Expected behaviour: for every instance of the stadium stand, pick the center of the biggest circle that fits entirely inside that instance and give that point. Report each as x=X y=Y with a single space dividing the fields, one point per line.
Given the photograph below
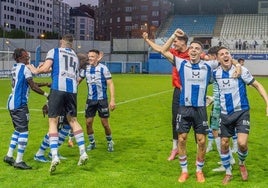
x=245 y=26
x=193 y=25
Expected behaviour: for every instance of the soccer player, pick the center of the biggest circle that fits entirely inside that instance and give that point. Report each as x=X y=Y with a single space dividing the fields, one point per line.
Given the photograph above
x=22 y=81
x=195 y=76
x=179 y=49
x=215 y=114
x=241 y=61
x=64 y=130
x=234 y=110
x=98 y=78
x=64 y=66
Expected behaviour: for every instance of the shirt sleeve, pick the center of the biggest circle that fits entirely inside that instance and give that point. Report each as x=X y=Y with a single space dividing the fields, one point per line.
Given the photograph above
x=246 y=75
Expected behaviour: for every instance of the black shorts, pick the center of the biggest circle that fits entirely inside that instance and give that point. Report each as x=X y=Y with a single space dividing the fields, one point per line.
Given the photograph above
x=60 y=101
x=92 y=106
x=192 y=116
x=20 y=118
x=239 y=121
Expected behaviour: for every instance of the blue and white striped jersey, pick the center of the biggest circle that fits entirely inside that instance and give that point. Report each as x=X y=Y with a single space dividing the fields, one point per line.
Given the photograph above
x=233 y=92
x=64 y=69
x=20 y=87
x=96 y=77
x=194 y=79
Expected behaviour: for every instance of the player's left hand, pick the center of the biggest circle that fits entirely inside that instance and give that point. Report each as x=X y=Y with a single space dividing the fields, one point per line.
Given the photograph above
x=45 y=110
x=112 y=106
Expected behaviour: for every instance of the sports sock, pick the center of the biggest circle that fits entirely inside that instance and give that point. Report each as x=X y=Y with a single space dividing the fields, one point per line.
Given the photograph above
x=53 y=143
x=242 y=156
x=199 y=165
x=13 y=143
x=44 y=145
x=91 y=138
x=80 y=140
x=210 y=138
x=175 y=144
x=109 y=138
x=218 y=144
x=225 y=158
x=183 y=163
x=63 y=133
x=22 y=143
x=235 y=146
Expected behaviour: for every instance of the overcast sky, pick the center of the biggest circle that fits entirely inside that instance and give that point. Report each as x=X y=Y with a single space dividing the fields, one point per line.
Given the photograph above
x=76 y=3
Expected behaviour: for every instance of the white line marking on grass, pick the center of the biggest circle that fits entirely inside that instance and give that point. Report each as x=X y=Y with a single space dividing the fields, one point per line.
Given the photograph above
x=144 y=97
x=119 y=103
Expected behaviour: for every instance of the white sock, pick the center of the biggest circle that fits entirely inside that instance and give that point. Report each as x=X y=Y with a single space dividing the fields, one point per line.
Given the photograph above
x=218 y=144
x=175 y=144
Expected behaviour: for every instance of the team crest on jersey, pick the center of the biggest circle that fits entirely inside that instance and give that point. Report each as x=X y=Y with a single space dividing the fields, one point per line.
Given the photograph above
x=195 y=74
x=226 y=83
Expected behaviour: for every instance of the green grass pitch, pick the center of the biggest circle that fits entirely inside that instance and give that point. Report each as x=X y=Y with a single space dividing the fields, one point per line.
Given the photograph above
x=141 y=126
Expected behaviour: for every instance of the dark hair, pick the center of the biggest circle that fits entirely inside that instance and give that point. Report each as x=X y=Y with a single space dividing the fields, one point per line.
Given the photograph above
x=197 y=42
x=213 y=50
x=184 y=38
x=220 y=48
x=95 y=51
x=18 y=53
x=68 y=38
x=241 y=59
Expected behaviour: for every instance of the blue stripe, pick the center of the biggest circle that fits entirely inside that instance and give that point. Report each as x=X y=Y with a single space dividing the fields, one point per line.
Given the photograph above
x=195 y=94
x=229 y=103
x=12 y=146
x=182 y=77
x=80 y=143
x=103 y=84
x=243 y=94
x=20 y=150
x=69 y=85
x=24 y=135
x=209 y=80
x=55 y=69
x=93 y=87
x=20 y=90
x=53 y=146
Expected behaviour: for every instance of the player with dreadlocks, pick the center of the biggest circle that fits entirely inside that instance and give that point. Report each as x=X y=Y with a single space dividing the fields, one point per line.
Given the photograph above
x=22 y=81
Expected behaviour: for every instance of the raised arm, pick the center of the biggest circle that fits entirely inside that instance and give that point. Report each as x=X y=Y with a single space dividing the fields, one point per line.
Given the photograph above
x=153 y=45
x=165 y=49
x=262 y=92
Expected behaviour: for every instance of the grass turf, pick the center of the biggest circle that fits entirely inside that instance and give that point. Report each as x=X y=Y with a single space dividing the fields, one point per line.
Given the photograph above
x=141 y=126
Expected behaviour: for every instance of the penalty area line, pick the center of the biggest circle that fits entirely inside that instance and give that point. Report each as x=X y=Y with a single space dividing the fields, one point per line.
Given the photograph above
x=119 y=103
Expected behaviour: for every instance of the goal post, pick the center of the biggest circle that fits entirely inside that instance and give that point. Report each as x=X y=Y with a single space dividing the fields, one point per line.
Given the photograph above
x=6 y=63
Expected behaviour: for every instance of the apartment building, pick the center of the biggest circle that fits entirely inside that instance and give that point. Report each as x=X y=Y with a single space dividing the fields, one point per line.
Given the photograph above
x=82 y=23
x=128 y=18
x=34 y=16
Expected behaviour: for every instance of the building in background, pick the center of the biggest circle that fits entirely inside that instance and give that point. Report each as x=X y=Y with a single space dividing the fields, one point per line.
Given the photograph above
x=82 y=24
x=61 y=17
x=128 y=18
x=34 y=16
